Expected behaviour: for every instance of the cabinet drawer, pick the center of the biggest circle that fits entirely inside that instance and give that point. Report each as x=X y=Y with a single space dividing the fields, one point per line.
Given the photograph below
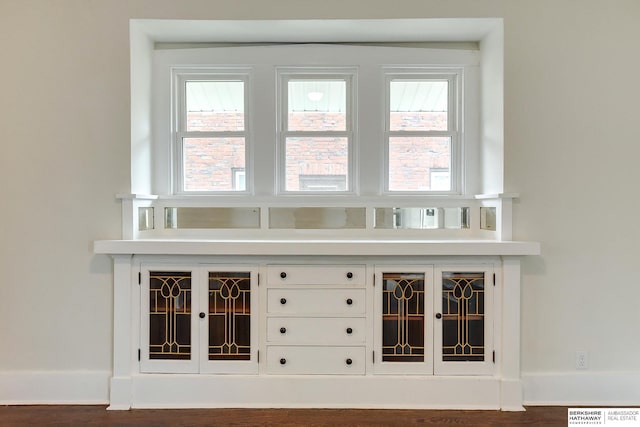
x=311 y=360
x=316 y=301
x=353 y=275
x=316 y=330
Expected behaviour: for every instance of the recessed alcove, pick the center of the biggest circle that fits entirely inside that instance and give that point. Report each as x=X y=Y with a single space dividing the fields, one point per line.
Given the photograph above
x=312 y=266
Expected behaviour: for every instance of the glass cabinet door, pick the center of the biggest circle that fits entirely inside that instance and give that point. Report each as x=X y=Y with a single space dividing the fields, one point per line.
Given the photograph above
x=403 y=328
x=198 y=319
x=167 y=320
x=464 y=325
x=228 y=320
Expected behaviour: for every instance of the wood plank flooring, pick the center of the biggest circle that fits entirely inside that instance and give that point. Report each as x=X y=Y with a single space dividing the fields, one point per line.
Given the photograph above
x=11 y=416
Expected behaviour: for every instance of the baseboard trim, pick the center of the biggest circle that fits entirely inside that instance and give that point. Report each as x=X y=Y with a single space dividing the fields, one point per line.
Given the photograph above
x=582 y=389
x=553 y=389
x=54 y=387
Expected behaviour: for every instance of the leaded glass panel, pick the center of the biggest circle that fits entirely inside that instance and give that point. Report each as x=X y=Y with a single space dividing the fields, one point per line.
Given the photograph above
x=403 y=317
x=229 y=316
x=170 y=315
x=463 y=317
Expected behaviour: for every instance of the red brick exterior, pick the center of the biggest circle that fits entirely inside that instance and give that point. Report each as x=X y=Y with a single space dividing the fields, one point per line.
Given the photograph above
x=210 y=162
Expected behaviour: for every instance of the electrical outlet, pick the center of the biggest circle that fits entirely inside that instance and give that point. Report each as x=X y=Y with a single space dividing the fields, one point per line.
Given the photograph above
x=582 y=361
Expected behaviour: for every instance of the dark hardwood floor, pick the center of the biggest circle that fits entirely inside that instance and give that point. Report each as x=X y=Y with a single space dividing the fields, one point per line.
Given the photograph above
x=99 y=416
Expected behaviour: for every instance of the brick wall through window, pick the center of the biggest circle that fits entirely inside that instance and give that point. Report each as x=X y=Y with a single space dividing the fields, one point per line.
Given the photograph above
x=209 y=163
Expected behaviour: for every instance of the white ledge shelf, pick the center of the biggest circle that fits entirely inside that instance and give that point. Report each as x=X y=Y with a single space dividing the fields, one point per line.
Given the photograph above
x=318 y=247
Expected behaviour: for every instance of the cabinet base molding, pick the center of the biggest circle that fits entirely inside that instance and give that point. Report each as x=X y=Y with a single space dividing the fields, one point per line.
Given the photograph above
x=419 y=332
x=330 y=391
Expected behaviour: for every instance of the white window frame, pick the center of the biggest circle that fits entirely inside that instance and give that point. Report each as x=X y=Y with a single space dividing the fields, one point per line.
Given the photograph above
x=180 y=76
x=286 y=74
x=264 y=153
x=455 y=125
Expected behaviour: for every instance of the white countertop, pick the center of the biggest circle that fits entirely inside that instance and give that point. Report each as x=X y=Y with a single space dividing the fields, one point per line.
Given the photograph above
x=365 y=247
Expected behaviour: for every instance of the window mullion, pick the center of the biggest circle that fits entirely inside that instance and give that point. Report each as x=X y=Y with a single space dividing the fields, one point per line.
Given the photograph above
x=201 y=134
x=429 y=133
x=318 y=134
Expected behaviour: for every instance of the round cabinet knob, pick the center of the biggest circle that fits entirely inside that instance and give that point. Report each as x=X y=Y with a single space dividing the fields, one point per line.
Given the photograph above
x=283 y=300
x=349 y=330
x=349 y=361
x=283 y=361
x=349 y=275
x=202 y=315
x=283 y=330
x=283 y=275
x=438 y=315
x=349 y=301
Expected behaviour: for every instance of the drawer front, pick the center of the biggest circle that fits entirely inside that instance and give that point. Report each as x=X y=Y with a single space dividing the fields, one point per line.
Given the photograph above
x=284 y=360
x=316 y=330
x=342 y=275
x=316 y=301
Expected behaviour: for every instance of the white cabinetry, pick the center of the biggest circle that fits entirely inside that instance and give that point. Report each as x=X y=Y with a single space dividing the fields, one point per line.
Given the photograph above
x=316 y=319
x=434 y=319
x=354 y=325
x=198 y=318
x=464 y=320
x=403 y=324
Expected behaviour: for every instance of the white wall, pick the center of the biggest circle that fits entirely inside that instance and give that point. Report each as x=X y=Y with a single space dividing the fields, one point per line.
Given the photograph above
x=572 y=144
x=571 y=138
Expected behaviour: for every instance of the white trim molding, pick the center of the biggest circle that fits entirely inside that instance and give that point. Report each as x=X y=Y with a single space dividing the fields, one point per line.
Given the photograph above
x=54 y=387
x=583 y=389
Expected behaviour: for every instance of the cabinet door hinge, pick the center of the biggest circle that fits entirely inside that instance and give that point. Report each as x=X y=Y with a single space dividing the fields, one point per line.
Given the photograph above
x=494 y=356
x=138 y=355
x=139 y=278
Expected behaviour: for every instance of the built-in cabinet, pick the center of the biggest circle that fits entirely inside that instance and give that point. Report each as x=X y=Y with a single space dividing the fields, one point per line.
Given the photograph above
x=434 y=319
x=328 y=306
x=317 y=319
x=316 y=324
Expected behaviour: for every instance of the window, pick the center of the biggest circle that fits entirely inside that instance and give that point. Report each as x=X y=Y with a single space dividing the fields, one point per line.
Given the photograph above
x=316 y=131
x=211 y=140
x=368 y=122
x=239 y=179
x=323 y=182
x=421 y=132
